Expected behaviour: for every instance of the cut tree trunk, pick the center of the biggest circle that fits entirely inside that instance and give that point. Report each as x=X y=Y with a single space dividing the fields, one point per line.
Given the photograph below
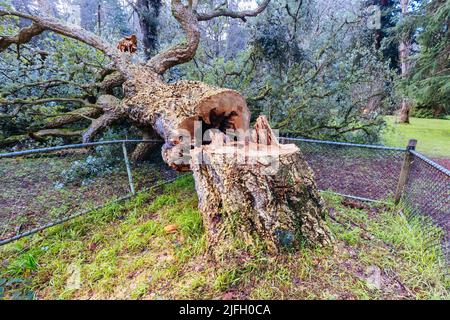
x=253 y=189
x=258 y=192
x=404 y=51
x=172 y=110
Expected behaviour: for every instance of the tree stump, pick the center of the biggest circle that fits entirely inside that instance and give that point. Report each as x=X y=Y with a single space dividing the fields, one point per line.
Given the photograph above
x=257 y=191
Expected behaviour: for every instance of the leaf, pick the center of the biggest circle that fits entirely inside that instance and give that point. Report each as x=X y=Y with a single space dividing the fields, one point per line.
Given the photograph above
x=171 y=228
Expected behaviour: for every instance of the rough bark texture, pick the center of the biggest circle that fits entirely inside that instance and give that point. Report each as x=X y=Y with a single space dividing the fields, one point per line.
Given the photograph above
x=404 y=50
x=257 y=193
x=171 y=110
x=111 y=113
x=248 y=190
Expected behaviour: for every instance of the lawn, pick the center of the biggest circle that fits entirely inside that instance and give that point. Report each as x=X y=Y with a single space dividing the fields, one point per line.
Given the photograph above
x=124 y=252
x=433 y=135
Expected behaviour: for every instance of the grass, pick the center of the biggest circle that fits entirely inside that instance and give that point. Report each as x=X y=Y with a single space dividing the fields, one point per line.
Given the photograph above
x=433 y=135
x=29 y=185
x=123 y=252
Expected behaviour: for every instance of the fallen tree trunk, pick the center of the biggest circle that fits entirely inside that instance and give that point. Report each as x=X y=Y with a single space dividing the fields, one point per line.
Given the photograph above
x=257 y=191
x=172 y=111
x=250 y=187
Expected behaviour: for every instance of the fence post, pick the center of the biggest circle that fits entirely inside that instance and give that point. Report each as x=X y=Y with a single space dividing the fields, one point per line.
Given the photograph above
x=127 y=164
x=406 y=167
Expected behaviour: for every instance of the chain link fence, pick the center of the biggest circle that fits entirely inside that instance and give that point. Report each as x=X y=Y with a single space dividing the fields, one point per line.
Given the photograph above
x=427 y=192
x=368 y=172
x=360 y=171
x=43 y=187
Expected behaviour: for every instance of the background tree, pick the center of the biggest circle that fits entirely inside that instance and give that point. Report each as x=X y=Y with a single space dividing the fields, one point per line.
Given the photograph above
x=427 y=83
x=404 y=52
x=318 y=78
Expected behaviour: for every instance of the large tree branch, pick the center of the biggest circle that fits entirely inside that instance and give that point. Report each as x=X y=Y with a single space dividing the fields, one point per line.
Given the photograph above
x=188 y=19
x=60 y=120
x=112 y=113
x=24 y=36
x=41 y=134
x=233 y=14
x=109 y=81
x=68 y=30
x=45 y=100
x=183 y=52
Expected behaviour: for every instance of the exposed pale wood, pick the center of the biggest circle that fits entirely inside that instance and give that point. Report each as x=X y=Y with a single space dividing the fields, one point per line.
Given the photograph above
x=257 y=193
x=171 y=109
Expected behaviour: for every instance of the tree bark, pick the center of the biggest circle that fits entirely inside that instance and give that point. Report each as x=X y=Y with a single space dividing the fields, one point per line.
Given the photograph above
x=172 y=110
x=404 y=50
x=405 y=111
x=259 y=193
x=148 y=12
x=252 y=189
x=144 y=150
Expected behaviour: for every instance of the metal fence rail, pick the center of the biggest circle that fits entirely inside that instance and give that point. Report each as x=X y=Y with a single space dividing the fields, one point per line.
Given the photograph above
x=362 y=171
x=40 y=188
x=427 y=192
x=43 y=187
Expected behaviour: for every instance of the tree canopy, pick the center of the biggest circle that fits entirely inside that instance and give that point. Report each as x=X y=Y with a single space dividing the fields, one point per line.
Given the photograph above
x=317 y=69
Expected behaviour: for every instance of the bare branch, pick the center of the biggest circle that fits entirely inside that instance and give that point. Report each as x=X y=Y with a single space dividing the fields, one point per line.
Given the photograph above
x=12 y=140
x=233 y=14
x=46 y=100
x=188 y=20
x=183 y=52
x=112 y=113
x=60 y=120
x=24 y=36
x=114 y=79
x=71 y=31
x=39 y=135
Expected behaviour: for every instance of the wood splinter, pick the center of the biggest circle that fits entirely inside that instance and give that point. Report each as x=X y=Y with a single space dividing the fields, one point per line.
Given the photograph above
x=266 y=195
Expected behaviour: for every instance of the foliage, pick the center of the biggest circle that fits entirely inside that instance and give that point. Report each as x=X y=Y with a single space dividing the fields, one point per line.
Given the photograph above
x=424 y=113
x=316 y=78
x=52 y=67
x=428 y=82
x=103 y=160
x=313 y=77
